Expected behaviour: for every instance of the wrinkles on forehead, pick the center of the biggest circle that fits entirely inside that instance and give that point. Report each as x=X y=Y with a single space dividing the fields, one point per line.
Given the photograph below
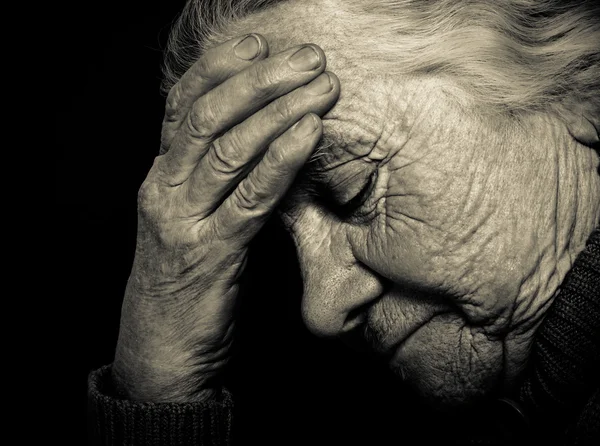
x=324 y=23
x=335 y=149
x=354 y=125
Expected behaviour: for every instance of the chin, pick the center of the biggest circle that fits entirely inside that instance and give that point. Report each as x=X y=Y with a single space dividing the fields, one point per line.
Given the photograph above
x=443 y=393
x=448 y=365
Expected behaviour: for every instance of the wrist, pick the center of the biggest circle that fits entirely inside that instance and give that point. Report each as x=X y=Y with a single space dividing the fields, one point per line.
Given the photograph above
x=166 y=351
x=158 y=381
x=152 y=368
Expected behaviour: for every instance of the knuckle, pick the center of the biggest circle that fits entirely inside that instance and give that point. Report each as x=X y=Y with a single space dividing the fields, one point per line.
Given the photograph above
x=264 y=84
x=200 y=122
x=160 y=172
x=166 y=138
x=284 y=157
x=172 y=103
x=282 y=109
x=224 y=158
x=148 y=197
x=203 y=68
x=233 y=142
x=277 y=157
x=157 y=170
x=250 y=198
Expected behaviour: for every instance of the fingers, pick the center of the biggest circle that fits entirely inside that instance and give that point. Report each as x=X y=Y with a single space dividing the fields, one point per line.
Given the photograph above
x=237 y=98
x=244 y=212
x=214 y=67
x=237 y=151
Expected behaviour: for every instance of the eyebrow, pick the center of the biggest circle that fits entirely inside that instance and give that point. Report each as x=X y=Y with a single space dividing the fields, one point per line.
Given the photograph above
x=325 y=142
x=315 y=176
x=314 y=170
x=316 y=166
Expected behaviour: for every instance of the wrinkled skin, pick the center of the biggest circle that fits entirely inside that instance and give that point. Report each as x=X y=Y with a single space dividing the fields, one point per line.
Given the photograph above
x=458 y=240
x=446 y=263
x=238 y=127
x=452 y=259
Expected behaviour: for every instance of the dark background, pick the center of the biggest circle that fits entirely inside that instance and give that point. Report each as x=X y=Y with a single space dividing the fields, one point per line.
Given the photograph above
x=107 y=126
x=108 y=130
x=286 y=383
x=289 y=387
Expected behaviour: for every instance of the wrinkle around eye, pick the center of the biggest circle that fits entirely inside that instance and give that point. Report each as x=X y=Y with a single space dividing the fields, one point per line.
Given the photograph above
x=351 y=183
x=329 y=182
x=332 y=180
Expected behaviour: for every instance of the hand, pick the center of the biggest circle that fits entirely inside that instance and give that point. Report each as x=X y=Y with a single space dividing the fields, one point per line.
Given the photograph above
x=236 y=131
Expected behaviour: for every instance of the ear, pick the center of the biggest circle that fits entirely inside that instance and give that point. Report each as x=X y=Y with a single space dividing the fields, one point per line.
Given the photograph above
x=583 y=130
x=583 y=124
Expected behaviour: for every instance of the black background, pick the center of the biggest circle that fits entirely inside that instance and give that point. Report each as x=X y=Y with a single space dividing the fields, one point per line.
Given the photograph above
x=108 y=130
x=107 y=124
x=289 y=386
x=286 y=382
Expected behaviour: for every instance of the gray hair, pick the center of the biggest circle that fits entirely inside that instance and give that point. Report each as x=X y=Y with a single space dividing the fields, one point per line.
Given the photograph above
x=511 y=56
x=195 y=29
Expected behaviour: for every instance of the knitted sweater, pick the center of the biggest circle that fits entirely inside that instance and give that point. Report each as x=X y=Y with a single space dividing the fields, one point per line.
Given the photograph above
x=557 y=403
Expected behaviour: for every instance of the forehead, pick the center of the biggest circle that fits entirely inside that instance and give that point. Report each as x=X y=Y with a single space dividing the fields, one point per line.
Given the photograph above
x=356 y=122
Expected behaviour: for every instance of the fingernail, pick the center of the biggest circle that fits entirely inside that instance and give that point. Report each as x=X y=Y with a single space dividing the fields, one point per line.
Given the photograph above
x=320 y=85
x=306 y=126
x=248 y=48
x=305 y=59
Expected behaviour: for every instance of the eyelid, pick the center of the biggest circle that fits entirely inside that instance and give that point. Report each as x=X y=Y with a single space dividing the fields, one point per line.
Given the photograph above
x=316 y=186
x=354 y=203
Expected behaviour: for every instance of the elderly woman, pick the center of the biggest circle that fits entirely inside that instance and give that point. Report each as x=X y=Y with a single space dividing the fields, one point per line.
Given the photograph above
x=434 y=163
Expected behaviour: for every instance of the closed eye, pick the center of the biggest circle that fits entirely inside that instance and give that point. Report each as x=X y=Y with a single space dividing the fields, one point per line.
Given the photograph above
x=347 y=209
x=341 y=193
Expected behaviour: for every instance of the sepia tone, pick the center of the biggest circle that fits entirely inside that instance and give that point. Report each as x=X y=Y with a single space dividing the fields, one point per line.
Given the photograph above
x=340 y=222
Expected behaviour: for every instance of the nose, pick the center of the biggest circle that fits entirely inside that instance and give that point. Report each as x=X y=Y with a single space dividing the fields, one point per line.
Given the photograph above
x=336 y=297
x=337 y=288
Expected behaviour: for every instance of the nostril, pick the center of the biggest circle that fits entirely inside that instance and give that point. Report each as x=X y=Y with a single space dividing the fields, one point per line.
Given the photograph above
x=325 y=323
x=355 y=317
x=359 y=315
x=340 y=302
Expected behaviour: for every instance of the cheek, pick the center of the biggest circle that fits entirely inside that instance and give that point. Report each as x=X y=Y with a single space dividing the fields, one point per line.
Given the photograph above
x=383 y=249
x=448 y=361
x=392 y=239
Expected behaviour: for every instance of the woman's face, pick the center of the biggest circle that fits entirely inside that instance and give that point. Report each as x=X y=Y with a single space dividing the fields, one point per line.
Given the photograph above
x=435 y=234
x=439 y=234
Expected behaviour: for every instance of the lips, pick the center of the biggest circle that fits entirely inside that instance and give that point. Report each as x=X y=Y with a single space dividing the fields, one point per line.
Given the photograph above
x=387 y=344
x=397 y=316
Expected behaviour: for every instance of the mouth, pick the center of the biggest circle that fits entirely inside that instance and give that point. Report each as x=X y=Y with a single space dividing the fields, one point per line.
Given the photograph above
x=366 y=336
x=382 y=327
